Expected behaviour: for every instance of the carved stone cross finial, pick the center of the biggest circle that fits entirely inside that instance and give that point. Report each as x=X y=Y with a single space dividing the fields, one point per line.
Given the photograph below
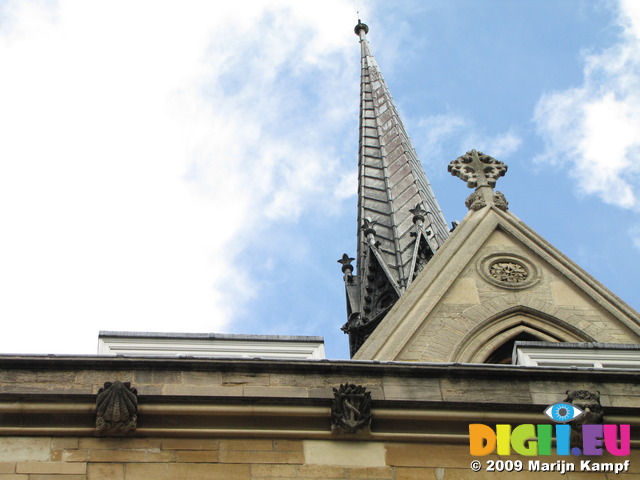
x=477 y=169
x=480 y=170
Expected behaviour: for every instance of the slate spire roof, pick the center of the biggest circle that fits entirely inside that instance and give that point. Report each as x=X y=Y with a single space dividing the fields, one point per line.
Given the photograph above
x=400 y=224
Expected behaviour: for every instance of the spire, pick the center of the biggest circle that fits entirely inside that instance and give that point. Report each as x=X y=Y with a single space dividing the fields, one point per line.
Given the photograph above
x=400 y=224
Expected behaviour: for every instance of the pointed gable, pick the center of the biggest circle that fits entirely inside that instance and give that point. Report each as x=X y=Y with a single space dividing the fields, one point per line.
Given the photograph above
x=495 y=281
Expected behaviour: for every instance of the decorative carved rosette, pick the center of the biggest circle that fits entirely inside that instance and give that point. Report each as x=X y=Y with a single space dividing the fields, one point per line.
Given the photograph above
x=117 y=409
x=508 y=271
x=350 y=409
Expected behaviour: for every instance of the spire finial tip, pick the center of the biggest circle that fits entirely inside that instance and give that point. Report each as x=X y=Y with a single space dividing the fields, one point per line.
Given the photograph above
x=361 y=26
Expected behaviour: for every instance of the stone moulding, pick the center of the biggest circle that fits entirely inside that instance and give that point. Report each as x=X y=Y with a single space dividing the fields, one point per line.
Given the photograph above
x=350 y=409
x=117 y=409
x=414 y=402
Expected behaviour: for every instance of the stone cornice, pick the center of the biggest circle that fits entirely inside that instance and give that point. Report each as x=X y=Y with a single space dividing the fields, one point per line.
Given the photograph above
x=342 y=367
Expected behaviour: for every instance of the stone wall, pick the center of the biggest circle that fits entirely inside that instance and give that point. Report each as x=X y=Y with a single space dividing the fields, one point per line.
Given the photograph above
x=67 y=458
x=250 y=419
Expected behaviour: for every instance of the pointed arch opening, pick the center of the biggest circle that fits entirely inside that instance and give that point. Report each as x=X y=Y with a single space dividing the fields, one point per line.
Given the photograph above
x=504 y=353
x=492 y=340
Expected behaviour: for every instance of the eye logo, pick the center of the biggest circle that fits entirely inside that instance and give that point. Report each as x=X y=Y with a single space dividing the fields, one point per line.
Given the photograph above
x=563 y=412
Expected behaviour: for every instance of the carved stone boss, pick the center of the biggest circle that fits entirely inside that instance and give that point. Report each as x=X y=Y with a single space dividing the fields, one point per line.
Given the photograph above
x=350 y=409
x=481 y=172
x=117 y=409
x=589 y=402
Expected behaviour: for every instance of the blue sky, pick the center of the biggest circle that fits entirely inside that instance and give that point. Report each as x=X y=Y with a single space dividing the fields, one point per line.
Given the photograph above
x=193 y=167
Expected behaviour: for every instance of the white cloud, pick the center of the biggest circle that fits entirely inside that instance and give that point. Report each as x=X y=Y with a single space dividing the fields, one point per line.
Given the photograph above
x=594 y=130
x=144 y=146
x=499 y=146
x=442 y=129
x=438 y=128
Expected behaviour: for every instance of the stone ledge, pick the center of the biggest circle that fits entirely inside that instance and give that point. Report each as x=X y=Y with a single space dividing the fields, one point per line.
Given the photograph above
x=405 y=421
x=80 y=364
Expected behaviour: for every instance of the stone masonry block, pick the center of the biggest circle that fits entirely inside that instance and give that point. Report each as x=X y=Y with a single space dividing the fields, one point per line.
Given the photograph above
x=94 y=379
x=229 y=390
x=31 y=376
x=348 y=454
x=142 y=377
x=460 y=390
x=52 y=467
x=248 y=457
x=103 y=471
x=194 y=456
x=119 y=443
x=429 y=390
x=273 y=471
x=63 y=443
x=123 y=456
x=167 y=377
x=373 y=473
x=432 y=455
x=56 y=477
x=201 y=378
x=320 y=471
x=464 y=474
x=416 y=474
x=266 y=391
x=74 y=455
x=146 y=471
x=24 y=449
x=287 y=445
x=199 y=471
x=246 y=445
x=189 y=444
x=255 y=379
x=321 y=380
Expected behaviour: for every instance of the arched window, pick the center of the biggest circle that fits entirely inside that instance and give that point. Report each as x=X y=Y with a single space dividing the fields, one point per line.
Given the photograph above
x=492 y=340
x=503 y=354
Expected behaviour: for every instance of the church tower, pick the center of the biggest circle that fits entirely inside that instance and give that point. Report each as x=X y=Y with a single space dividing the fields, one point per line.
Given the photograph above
x=424 y=294
x=400 y=224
